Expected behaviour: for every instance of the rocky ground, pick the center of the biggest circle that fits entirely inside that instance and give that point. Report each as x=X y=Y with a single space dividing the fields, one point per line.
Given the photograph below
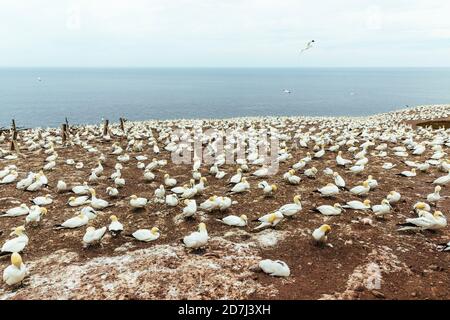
x=362 y=252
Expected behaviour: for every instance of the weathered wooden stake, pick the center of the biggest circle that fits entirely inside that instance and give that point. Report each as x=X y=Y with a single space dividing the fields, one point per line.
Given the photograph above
x=14 y=136
x=122 y=124
x=105 y=127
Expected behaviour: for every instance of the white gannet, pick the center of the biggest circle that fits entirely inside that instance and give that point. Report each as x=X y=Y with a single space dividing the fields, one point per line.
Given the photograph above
x=16 y=211
x=426 y=221
x=75 y=222
x=443 y=180
x=320 y=234
x=16 y=272
x=112 y=192
x=393 y=197
x=97 y=203
x=408 y=174
x=35 y=214
x=328 y=210
x=209 y=204
x=310 y=173
x=358 y=205
x=168 y=181
x=341 y=161
x=268 y=189
x=421 y=206
x=435 y=196
x=138 y=202
x=235 y=221
x=361 y=190
x=270 y=220
x=81 y=190
x=61 y=186
x=380 y=210
x=89 y=212
x=190 y=208
x=93 y=236
x=388 y=166
x=197 y=239
x=115 y=227
x=237 y=177
x=291 y=208
x=275 y=268
x=146 y=235
x=16 y=244
x=171 y=200
x=329 y=190
x=78 y=201
x=338 y=180
x=43 y=201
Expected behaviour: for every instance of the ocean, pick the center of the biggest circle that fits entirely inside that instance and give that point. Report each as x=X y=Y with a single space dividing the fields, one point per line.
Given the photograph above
x=45 y=96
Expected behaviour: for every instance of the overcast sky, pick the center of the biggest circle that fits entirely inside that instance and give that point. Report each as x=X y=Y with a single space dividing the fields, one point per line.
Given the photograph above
x=226 y=33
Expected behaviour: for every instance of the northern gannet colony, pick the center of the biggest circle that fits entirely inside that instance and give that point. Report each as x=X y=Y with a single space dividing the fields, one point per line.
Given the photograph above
x=347 y=208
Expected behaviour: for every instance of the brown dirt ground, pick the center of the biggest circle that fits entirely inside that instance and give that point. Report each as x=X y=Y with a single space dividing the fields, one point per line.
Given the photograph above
x=411 y=266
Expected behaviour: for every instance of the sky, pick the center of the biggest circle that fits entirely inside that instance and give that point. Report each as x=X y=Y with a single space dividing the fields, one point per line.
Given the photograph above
x=227 y=33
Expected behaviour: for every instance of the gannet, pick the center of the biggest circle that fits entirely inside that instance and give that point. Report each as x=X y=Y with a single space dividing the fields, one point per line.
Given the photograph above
x=329 y=190
x=198 y=238
x=341 y=161
x=89 y=212
x=276 y=268
x=444 y=247
x=406 y=173
x=97 y=203
x=16 y=244
x=357 y=169
x=16 y=211
x=328 y=171
x=235 y=221
x=381 y=209
x=148 y=175
x=119 y=182
x=25 y=183
x=270 y=220
x=35 y=214
x=171 y=200
x=421 y=206
x=93 y=236
x=268 y=189
x=43 y=201
x=426 y=221
x=299 y=165
x=357 y=205
x=160 y=192
x=201 y=185
x=137 y=203
x=442 y=180
x=291 y=208
x=388 y=166
x=115 y=227
x=78 y=201
x=209 y=204
x=190 y=208
x=223 y=203
x=61 y=186
x=320 y=234
x=146 y=235
x=338 y=180
x=168 y=181
x=328 y=210
x=435 y=196
x=262 y=172
x=112 y=192
x=75 y=222
x=81 y=190
x=16 y=272
x=237 y=177
x=393 y=197
x=11 y=177
x=361 y=190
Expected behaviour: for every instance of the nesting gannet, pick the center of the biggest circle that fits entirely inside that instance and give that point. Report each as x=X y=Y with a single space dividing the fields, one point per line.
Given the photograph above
x=61 y=186
x=310 y=173
x=81 y=190
x=421 y=206
x=388 y=166
x=275 y=268
x=115 y=227
x=291 y=208
x=112 y=192
x=299 y=165
x=338 y=180
x=373 y=184
x=43 y=201
x=16 y=272
x=171 y=200
x=209 y=204
x=393 y=197
x=320 y=234
x=75 y=222
x=235 y=221
x=237 y=177
x=89 y=212
x=329 y=190
x=426 y=221
x=11 y=177
x=380 y=210
x=443 y=180
x=328 y=171
x=190 y=208
x=341 y=161
x=270 y=220
x=78 y=201
x=444 y=247
x=26 y=182
x=35 y=214
x=361 y=190
x=16 y=244
x=407 y=173
x=268 y=189
x=435 y=196
x=97 y=203
x=160 y=192
x=328 y=210
x=168 y=181
x=149 y=176
x=146 y=235
x=262 y=172
x=357 y=205
x=357 y=169
x=197 y=239
x=138 y=202
x=16 y=211
x=93 y=236
x=223 y=203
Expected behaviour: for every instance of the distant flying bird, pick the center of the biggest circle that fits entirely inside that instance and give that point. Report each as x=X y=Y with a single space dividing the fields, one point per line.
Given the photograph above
x=286 y=91
x=39 y=79
x=308 y=46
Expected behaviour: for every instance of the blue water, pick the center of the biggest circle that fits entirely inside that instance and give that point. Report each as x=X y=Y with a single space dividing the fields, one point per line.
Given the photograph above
x=87 y=95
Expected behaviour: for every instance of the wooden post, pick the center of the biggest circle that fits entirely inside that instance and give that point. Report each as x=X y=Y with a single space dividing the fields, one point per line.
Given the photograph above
x=14 y=136
x=122 y=124
x=105 y=127
x=64 y=131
